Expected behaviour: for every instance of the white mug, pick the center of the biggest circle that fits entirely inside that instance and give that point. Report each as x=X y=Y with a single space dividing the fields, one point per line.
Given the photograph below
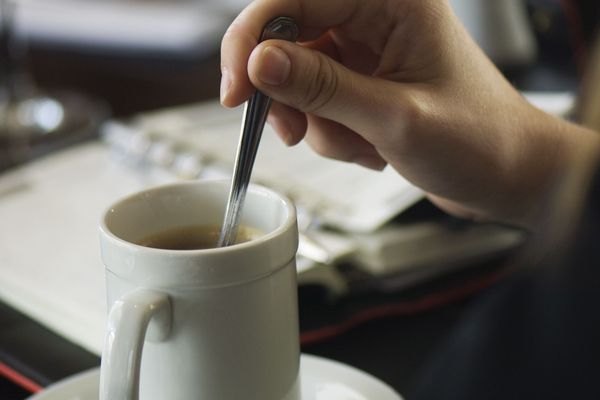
x=214 y=324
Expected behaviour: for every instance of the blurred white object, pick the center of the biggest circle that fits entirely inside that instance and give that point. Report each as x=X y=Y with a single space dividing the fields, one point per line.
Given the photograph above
x=561 y=104
x=139 y=25
x=501 y=28
x=233 y=6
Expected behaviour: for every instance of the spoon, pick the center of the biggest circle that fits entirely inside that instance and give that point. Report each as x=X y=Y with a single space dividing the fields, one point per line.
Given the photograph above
x=255 y=116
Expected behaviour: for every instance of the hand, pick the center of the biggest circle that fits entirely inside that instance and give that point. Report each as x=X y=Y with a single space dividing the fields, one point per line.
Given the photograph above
x=401 y=82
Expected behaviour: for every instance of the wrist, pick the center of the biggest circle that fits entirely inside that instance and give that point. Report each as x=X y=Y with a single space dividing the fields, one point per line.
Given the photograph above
x=556 y=156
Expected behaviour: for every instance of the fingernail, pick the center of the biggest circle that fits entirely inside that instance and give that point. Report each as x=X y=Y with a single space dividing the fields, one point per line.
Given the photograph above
x=275 y=66
x=225 y=84
x=371 y=162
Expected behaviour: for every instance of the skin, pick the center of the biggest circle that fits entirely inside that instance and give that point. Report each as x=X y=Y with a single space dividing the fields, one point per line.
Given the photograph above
x=401 y=82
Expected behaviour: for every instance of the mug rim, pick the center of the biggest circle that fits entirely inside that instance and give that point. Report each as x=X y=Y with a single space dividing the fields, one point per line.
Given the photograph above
x=289 y=222
x=213 y=267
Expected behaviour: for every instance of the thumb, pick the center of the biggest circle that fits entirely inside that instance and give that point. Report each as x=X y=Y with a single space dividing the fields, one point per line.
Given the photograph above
x=312 y=82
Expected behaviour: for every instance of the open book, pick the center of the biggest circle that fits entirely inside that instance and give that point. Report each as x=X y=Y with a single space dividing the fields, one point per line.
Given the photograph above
x=342 y=195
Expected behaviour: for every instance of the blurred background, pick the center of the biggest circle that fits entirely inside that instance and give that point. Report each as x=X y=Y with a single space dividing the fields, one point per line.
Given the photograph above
x=128 y=56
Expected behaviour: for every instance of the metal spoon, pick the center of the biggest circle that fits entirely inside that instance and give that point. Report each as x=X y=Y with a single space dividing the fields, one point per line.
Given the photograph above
x=255 y=116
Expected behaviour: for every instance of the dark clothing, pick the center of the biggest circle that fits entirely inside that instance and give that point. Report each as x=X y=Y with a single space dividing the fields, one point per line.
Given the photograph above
x=535 y=336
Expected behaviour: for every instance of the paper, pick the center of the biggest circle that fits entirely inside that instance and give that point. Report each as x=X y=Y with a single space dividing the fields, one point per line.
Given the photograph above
x=50 y=265
x=190 y=28
x=342 y=195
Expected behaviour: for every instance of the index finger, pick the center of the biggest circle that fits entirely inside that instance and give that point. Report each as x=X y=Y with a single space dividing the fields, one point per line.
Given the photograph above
x=314 y=17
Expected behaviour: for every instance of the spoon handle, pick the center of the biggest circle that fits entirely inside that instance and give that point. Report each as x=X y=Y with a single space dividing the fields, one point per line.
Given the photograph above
x=255 y=116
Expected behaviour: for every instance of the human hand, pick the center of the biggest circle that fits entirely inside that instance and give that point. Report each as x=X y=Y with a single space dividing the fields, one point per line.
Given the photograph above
x=401 y=82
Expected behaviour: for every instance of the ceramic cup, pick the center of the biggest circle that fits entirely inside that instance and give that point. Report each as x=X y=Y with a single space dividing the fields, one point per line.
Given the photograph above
x=211 y=324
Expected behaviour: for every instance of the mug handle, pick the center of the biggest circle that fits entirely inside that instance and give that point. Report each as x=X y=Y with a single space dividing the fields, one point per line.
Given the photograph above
x=137 y=316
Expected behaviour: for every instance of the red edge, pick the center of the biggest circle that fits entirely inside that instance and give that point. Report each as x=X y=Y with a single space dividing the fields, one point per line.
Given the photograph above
x=400 y=308
x=19 y=379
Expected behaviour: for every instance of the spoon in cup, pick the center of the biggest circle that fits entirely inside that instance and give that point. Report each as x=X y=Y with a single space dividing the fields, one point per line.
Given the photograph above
x=255 y=116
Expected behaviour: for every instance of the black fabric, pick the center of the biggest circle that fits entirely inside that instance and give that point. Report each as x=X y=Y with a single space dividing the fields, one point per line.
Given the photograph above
x=10 y=391
x=535 y=336
x=38 y=353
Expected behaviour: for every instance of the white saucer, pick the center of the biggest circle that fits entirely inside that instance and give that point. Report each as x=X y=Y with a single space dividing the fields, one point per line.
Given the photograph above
x=322 y=379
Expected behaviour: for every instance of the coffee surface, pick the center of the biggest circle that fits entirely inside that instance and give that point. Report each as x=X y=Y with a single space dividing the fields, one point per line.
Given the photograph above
x=194 y=237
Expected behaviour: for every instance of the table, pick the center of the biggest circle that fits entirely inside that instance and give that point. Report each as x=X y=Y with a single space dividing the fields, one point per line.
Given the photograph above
x=394 y=345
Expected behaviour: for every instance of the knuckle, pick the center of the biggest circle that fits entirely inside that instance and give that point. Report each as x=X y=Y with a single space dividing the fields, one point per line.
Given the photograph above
x=230 y=33
x=237 y=35
x=399 y=121
x=321 y=86
x=409 y=112
x=412 y=111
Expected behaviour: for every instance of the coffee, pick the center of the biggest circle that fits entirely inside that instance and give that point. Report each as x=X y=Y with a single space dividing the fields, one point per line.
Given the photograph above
x=194 y=237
